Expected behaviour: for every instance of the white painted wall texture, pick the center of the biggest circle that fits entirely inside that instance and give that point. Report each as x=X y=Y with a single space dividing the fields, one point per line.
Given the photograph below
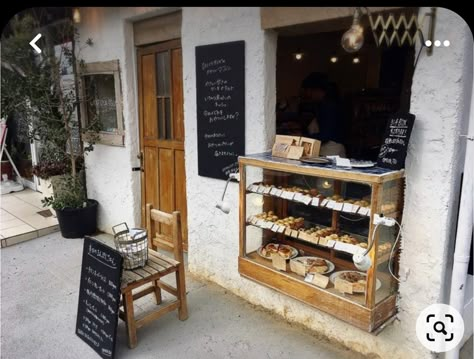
x=433 y=164
x=433 y=167
x=109 y=176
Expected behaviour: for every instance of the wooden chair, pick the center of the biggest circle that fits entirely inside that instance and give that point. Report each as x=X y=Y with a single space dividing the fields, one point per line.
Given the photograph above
x=158 y=265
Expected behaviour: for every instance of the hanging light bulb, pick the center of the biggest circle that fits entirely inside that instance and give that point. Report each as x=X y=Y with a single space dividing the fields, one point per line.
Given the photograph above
x=355 y=60
x=76 y=15
x=333 y=59
x=353 y=39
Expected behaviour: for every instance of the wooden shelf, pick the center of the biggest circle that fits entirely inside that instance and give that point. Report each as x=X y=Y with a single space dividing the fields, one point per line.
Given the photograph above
x=347 y=307
x=368 y=311
x=311 y=205
x=267 y=161
x=318 y=250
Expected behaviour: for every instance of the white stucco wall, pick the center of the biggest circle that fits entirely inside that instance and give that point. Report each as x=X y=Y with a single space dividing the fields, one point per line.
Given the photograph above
x=433 y=166
x=433 y=163
x=109 y=176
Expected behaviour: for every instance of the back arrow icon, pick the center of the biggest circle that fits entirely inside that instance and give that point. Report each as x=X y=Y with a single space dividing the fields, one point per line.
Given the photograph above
x=33 y=43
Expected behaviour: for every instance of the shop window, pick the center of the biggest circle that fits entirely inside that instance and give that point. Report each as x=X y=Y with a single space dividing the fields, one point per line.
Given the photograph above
x=101 y=103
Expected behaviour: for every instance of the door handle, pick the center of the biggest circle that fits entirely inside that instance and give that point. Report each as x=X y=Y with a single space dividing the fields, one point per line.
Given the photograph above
x=140 y=157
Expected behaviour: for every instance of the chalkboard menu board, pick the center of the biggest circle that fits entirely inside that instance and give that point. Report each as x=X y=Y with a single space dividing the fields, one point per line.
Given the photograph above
x=220 y=98
x=99 y=297
x=395 y=144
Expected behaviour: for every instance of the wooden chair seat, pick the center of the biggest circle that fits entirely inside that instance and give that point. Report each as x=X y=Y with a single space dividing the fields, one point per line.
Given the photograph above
x=157 y=266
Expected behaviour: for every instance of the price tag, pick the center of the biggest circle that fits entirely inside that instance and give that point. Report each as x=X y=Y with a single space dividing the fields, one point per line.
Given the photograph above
x=278 y=192
x=346 y=247
x=355 y=208
x=338 y=206
x=347 y=207
x=324 y=202
x=305 y=237
x=363 y=211
x=274 y=191
x=315 y=202
x=331 y=203
x=275 y=228
x=307 y=200
x=268 y=225
x=250 y=188
x=309 y=278
x=260 y=188
x=298 y=267
x=342 y=286
x=260 y=222
x=288 y=231
x=267 y=190
x=323 y=241
x=320 y=280
x=288 y=195
x=279 y=262
x=281 y=229
x=368 y=212
x=294 y=233
x=331 y=243
x=298 y=196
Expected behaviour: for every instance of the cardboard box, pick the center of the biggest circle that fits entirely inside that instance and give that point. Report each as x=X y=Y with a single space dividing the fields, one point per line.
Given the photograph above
x=311 y=147
x=294 y=147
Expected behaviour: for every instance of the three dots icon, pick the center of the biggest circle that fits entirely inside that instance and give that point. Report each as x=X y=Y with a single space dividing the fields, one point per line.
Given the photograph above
x=437 y=43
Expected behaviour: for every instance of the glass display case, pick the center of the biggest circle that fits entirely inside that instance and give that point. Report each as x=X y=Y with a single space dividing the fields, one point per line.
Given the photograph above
x=301 y=224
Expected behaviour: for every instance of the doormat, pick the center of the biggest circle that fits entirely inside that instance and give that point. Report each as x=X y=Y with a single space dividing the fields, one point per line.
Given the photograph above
x=46 y=213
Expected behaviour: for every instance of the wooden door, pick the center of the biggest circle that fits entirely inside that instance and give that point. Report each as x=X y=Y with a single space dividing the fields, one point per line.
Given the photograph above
x=160 y=92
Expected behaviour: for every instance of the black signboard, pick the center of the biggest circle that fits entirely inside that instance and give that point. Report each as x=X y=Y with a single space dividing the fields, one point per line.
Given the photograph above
x=99 y=297
x=395 y=143
x=220 y=99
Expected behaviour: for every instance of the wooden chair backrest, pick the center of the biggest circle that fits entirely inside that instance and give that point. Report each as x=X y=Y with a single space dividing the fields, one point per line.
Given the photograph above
x=155 y=216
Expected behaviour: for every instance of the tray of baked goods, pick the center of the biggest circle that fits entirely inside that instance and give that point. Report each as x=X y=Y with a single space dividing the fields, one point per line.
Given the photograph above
x=312 y=197
x=351 y=282
x=283 y=250
x=316 y=234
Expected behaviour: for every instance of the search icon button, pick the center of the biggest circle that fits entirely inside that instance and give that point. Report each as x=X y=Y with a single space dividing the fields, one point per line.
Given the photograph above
x=443 y=328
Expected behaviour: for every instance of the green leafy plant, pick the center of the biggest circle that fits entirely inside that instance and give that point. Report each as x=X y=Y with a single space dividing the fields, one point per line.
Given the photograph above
x=47 y=169
x=68 y=193
x=40 y=92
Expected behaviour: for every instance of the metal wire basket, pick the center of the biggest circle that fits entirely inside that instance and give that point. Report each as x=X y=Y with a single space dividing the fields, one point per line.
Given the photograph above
x=132 y=245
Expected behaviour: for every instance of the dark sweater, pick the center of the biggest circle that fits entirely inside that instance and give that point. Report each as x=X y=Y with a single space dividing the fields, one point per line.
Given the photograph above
x=330 y=120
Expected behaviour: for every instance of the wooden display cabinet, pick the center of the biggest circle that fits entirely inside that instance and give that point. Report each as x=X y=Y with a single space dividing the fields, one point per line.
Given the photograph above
x=344 y=202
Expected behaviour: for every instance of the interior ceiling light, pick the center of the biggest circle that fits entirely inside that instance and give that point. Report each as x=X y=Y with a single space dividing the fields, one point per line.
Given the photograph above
x=353 y=39
x=355 y=60
x=76 y=15
x=333 y=59
x=389 y=30
x=298 y=55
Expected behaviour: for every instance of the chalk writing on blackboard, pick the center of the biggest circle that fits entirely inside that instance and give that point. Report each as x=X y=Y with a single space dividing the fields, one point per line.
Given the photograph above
x=220 y=108
x=99 y=296
x=395 y=143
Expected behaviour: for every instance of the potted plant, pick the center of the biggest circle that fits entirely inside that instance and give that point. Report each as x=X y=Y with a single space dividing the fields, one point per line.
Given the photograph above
x=48 y=171
x=38 y=91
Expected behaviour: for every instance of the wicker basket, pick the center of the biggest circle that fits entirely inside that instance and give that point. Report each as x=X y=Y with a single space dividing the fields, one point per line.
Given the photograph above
x=132 y=245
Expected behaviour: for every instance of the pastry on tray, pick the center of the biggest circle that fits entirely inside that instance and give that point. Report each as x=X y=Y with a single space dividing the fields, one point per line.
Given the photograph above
x=275 y=248
x=356 y=279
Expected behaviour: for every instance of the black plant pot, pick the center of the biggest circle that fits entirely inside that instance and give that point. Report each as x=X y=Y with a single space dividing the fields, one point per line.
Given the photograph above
x=78 y=222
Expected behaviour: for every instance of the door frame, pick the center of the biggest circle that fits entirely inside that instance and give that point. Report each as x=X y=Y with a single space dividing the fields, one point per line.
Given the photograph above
x=140 y=51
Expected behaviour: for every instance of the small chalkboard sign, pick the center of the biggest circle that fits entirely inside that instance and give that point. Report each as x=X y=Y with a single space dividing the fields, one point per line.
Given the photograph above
x=220 y=100
x=395 y=143
x=99 y=297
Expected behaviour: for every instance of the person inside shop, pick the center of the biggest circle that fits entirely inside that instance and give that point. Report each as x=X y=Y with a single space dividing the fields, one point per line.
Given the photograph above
x=321 y=115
